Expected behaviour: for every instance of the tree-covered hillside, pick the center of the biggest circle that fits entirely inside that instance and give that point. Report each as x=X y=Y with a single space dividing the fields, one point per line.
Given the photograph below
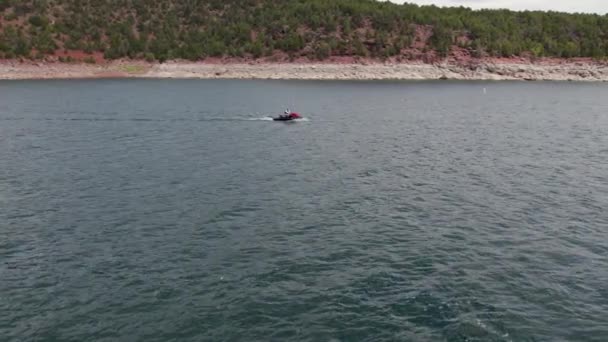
x=195 y=29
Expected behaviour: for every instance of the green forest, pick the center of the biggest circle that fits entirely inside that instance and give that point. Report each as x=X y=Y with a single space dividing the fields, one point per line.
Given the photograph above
x=159 y=30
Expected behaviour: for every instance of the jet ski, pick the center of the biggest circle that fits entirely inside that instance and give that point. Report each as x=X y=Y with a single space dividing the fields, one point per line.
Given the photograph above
x=287 y=117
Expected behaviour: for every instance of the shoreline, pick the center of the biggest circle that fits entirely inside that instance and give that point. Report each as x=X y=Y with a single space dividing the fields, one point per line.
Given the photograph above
x=488 y=70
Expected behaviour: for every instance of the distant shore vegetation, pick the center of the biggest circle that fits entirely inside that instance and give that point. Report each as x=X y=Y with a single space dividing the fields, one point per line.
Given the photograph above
x=159 y=30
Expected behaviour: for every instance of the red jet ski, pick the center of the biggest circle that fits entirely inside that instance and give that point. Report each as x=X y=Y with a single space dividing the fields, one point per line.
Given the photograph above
x=287 y=117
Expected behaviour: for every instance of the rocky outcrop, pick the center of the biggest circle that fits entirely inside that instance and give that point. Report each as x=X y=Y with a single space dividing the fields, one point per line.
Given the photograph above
x=472 y=70
x=401 y=71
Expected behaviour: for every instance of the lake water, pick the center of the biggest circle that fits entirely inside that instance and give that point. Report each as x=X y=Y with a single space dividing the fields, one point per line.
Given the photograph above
x=173 y=210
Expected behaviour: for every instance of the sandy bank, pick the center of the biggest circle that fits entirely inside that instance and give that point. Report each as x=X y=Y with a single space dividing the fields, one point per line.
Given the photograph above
x=562 y=71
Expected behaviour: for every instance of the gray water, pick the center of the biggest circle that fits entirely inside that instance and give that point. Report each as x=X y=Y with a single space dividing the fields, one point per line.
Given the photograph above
x=172 y=210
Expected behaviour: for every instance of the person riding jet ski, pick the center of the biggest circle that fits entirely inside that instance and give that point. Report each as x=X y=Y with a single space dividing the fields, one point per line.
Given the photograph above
x=287 y=116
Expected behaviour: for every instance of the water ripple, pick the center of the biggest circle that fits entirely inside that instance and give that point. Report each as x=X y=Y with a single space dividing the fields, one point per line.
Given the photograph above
x=171 y=210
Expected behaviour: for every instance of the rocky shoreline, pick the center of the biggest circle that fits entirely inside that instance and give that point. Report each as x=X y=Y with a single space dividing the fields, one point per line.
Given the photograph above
x=553 y=70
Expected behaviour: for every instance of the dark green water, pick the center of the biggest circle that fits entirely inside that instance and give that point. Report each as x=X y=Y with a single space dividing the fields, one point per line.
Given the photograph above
x=169 y=210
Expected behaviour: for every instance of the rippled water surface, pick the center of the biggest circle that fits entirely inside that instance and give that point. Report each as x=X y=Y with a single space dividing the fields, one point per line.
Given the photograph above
x=172 y=210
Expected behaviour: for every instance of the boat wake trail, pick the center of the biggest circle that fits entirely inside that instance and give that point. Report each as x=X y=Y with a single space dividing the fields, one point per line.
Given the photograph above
x=236 y=118
x=264 y=118
x=247 y=118
x=139 y=119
